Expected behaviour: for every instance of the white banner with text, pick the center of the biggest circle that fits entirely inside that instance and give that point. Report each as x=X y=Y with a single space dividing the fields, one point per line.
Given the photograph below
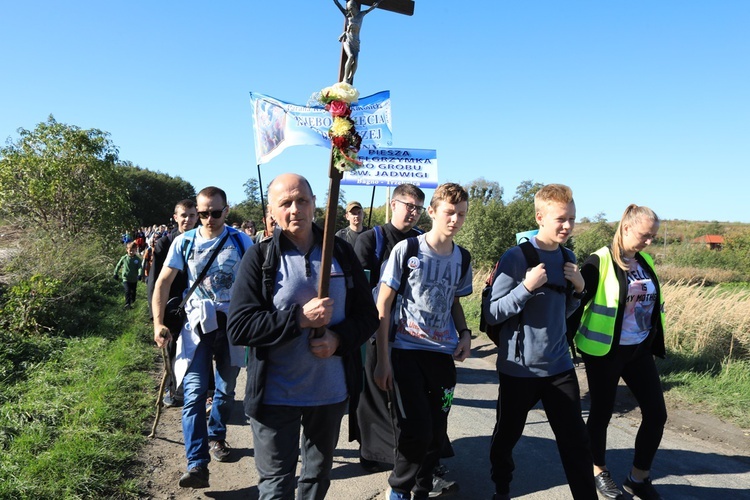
x=393 y=166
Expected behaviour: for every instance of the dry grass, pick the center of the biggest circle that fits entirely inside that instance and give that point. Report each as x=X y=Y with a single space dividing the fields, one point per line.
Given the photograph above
x=696 y=275
x=707 y=321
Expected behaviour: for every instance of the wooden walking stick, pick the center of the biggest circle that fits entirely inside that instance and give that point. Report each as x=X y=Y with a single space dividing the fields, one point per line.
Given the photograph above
x=162 y=386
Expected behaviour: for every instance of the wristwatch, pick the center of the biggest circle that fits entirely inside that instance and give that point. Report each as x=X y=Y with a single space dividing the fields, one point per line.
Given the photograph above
x=464 y=330
x=579 y=295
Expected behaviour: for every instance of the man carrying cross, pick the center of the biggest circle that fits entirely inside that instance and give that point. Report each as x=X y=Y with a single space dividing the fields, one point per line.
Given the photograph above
x=296 y=379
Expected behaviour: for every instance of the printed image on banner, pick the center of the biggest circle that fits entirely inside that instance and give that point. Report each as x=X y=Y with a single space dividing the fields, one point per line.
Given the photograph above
x=279 y=124
x=394 y=166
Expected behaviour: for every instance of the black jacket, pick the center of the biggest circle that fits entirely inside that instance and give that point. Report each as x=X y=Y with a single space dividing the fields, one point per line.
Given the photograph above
x=590 y=273
x=180 y=282
x=256 y=323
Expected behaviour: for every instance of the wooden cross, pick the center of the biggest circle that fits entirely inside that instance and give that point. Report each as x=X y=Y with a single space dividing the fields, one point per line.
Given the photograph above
x=405 y=7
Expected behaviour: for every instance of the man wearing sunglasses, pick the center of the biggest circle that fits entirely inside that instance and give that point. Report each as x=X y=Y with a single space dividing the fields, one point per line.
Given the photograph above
x=203 y=338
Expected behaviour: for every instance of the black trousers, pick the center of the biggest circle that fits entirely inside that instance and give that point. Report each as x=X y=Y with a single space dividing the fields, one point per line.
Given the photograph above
x=560 y=396
x=129 y=292
x=635 y=364
x=423 y=384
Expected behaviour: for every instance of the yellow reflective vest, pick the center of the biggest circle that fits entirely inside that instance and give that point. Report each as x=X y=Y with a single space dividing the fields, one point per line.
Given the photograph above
x=597 y=328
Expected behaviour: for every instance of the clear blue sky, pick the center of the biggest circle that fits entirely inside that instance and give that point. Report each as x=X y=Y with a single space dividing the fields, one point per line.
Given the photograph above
x=644 y=101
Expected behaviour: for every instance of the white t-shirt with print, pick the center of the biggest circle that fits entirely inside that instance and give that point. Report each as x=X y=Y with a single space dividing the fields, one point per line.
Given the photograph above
x=639 y=305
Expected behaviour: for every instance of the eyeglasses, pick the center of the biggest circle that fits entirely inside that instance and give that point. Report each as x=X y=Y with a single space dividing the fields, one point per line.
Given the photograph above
x=213 y=213
x=412 y=207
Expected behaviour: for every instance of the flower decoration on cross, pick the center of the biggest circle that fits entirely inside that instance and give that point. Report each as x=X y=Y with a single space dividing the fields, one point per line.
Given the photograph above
x=338 y=99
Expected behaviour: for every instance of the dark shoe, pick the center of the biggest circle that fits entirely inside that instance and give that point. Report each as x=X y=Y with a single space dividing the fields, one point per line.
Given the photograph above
x=442 y=486
x=606 y=486
x=219 y=450
x=644 y=490
x=373 y=466
x=170 y=400
x=501 y=496
x=440 y=471
x=197 y=477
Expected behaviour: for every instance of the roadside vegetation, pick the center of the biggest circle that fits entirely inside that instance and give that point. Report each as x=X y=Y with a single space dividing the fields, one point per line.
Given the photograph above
x=77 y=382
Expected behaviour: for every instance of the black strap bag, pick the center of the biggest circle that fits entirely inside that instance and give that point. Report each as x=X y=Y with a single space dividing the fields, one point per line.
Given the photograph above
x=174 y=313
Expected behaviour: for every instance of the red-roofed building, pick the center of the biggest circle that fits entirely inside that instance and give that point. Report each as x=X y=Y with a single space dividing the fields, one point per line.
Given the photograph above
x=712 y=241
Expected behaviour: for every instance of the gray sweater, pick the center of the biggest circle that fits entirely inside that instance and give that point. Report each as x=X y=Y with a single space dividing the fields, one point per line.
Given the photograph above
x=540 y=349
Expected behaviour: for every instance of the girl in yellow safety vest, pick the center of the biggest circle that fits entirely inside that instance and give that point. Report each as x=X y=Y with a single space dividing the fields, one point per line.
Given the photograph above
x=619 y=328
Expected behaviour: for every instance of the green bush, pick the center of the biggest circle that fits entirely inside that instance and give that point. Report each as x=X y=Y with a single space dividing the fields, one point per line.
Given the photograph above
x=598 y=235
x=58 y=290
x=733 y=258
x=30 y=306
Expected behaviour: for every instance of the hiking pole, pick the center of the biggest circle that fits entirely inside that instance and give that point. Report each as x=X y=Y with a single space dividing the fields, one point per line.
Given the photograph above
x=162 y=386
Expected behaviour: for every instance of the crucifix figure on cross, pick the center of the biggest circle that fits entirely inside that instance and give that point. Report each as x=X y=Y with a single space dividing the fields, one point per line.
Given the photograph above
x=350 y=37
x=350 y=50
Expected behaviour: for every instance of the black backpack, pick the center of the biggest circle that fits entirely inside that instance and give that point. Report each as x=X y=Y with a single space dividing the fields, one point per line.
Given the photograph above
x=532 y=260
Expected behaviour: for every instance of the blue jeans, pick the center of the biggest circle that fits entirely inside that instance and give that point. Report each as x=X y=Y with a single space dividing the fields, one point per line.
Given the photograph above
x=195 y=430
x=276 y=437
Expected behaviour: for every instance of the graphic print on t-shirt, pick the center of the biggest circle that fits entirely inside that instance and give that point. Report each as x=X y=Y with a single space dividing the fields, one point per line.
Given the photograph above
x=639 y=304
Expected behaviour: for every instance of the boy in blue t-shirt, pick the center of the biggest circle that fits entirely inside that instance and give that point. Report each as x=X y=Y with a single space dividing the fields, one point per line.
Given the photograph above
x=430 y=333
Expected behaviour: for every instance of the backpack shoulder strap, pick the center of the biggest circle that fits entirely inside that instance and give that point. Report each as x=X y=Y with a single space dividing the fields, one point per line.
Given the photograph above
x=565 y=255
x=379 y=244
x=412 y=249
x=269 y=267
x=235 y=235
x=530 y=254
x=465 y=261
x=187 y=246
x=339 y=253
x=566 y=258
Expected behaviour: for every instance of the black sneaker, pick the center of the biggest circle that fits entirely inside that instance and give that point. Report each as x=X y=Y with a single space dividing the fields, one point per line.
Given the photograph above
x=606 y=486
x=373 y=466
x=219 y=450
x=197 y=477
x=644 y=490
x=442 y=486
x=440 y=470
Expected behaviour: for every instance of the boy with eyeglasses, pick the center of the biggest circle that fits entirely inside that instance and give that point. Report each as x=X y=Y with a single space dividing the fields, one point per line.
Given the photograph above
x=203 y=338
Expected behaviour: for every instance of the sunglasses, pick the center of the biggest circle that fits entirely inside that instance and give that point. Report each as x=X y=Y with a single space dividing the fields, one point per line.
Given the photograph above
x=411 y=207
x=213 y=213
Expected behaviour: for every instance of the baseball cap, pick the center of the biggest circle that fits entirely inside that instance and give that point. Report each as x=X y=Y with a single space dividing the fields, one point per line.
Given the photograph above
x=353 y=204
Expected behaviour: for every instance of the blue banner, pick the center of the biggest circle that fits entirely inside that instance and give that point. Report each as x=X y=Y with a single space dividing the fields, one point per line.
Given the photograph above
x=280 y=124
